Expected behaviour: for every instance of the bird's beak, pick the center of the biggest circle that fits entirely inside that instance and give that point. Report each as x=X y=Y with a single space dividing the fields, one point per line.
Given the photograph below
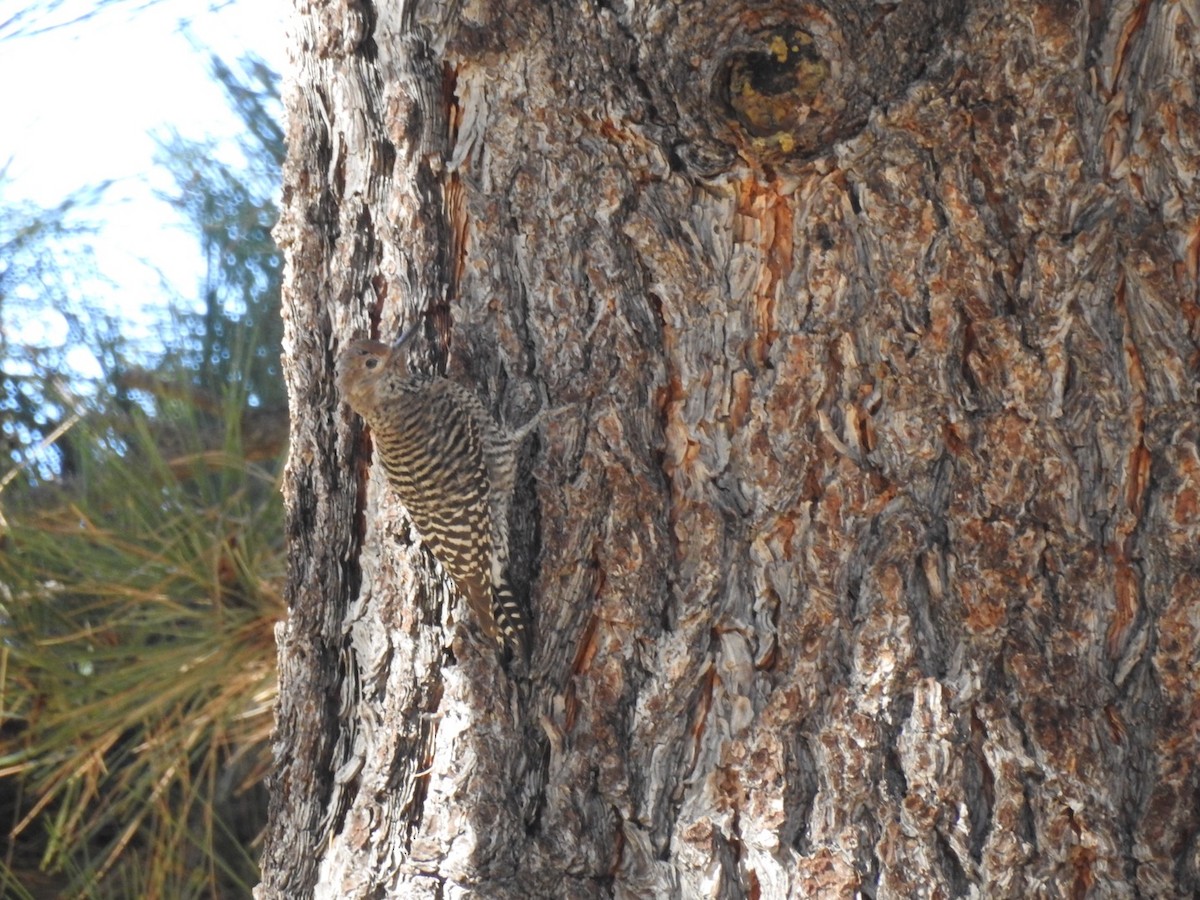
x=407 y=336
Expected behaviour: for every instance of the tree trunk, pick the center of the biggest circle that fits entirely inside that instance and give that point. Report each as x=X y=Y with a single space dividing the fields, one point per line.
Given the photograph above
x=864 y=558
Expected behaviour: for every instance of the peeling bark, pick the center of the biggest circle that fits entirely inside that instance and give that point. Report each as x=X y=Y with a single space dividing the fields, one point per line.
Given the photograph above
x=865 y=555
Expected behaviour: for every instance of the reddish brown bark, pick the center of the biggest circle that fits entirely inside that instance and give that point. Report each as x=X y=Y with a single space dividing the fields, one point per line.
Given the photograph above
x=865 y=560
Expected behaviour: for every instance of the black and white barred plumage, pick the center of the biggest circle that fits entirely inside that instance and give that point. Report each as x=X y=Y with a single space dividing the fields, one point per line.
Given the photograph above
x=454 y=470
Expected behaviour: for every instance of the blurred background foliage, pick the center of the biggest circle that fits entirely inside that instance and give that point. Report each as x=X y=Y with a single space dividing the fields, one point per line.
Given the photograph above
x=141 y=541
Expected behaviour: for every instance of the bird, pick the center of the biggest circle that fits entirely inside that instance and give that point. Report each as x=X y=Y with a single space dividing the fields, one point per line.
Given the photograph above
x=454 y=469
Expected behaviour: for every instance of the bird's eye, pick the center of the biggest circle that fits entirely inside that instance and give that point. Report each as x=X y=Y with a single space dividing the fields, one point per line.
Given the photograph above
x=371 y=362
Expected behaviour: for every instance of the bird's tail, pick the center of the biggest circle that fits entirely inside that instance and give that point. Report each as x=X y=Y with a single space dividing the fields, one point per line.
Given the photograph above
x=513 y=623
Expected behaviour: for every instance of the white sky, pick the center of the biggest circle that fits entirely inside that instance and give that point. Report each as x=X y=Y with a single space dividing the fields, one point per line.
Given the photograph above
x=78 y=105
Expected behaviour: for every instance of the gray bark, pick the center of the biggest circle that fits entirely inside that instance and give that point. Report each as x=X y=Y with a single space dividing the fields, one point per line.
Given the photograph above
x=865 y=559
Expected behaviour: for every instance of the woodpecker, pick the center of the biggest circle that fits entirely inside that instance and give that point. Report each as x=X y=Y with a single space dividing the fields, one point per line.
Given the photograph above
x=454 y=469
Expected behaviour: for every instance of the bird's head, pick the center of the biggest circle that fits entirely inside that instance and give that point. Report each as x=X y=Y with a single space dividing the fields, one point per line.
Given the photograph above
x=363 y=370
x=368 y=371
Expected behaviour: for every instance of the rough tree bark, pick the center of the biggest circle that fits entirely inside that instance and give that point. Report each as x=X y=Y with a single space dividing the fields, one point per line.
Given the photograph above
x=865 y=558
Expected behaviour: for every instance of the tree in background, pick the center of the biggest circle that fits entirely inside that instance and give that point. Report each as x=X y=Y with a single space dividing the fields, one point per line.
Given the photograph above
x=141 y=558
x=234 y=337
x=39 y=397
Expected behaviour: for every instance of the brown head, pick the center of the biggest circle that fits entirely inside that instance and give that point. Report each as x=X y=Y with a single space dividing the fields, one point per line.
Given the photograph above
x=362 y=368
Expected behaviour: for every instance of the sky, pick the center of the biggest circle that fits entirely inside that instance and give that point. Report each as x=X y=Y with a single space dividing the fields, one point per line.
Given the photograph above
x=80 y=104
